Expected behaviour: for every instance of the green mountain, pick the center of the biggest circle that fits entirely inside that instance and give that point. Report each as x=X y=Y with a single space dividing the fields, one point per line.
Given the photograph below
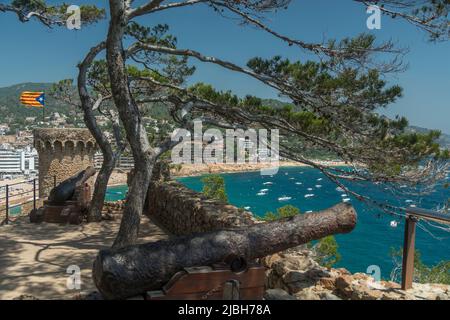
x=14 y=113
x=444 y=139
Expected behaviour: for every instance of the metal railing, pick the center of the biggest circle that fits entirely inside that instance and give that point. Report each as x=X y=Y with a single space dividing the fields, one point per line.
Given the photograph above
x=8 y=197
x=412 y=216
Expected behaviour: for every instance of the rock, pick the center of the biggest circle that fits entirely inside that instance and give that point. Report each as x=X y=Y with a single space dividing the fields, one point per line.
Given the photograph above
x=361 y=292
x=328 y=283
x=296 y=272
x=277 y=294
x=328 y=296
x=270 y=260
x=307 y=294
x=390 y=284
x=343 y=282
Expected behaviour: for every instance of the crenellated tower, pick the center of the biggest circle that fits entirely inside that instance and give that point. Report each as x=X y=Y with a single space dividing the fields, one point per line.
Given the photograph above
x=62 y=153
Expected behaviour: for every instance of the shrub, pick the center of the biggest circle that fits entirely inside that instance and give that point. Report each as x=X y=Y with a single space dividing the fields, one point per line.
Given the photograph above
x=214 y=187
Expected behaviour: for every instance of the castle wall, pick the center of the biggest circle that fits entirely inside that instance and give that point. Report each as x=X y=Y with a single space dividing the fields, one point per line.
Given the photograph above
x=62 y=153
x=181 y=211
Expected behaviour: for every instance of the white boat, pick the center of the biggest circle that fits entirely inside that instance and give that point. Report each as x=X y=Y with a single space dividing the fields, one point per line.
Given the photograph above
x=309 y=195
x=318 y=186
x=261 y=193
x=344 y=195
x=346 y=200
x=247 y=208
x=291 y=178
x=309 y=189
x=409 y=201
x=298 y=183
x=263 y=190
x=339 y=189
x=284 y=198
x=412 y=206
x=320 y=179
x=309 y=211
x=268 y=183
x=393 y=224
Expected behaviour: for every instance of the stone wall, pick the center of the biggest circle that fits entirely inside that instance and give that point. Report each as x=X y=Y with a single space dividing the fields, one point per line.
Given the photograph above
x=62 y=153
x=183 y=211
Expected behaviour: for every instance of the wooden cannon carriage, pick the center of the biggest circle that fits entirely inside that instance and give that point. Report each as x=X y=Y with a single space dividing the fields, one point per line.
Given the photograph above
x=216 y=282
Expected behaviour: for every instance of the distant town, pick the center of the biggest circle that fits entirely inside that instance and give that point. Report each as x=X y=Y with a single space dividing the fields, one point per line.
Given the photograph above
x=18 y=157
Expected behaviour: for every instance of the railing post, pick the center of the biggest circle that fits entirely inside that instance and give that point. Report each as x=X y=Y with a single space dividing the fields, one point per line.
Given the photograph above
x=34 y=194
x=54 y=181
x=408 y=252
x=7 y=205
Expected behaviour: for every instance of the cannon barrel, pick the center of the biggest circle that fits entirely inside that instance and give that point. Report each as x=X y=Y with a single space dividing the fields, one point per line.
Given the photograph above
x=65 y=190
x=139 y=268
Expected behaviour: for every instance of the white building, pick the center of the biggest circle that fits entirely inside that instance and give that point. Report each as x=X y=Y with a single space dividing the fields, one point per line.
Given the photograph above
x=17 y=162
x=3 y=129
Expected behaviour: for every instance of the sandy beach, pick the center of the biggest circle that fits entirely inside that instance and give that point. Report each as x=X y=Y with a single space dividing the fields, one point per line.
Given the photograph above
x=200 y=169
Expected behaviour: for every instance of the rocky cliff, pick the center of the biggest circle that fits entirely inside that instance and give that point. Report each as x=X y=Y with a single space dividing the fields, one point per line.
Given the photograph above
x=293 y=274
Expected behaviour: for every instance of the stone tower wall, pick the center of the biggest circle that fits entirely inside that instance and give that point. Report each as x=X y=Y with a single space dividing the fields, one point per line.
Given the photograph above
x=62 y=153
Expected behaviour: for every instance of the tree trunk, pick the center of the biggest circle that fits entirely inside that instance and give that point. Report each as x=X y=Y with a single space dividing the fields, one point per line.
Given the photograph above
x=109 y=160
x=129 y=226
x=100 y=187
x=136 y=269
x=143 y=155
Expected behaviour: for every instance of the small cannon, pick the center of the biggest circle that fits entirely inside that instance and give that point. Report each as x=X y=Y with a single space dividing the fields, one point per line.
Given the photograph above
x=68 y=201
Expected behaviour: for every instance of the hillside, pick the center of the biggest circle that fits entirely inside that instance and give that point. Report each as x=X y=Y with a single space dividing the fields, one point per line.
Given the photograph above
x=444 y=140
x=15 y=113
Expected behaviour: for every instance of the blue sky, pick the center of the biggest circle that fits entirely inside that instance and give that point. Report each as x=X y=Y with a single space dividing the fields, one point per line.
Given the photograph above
x=31 y=53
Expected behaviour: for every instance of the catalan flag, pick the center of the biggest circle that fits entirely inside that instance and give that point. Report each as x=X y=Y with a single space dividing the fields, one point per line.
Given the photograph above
x=33 y=99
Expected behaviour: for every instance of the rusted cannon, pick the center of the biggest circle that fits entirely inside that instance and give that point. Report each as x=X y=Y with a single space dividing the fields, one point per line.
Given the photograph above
x=136 y=269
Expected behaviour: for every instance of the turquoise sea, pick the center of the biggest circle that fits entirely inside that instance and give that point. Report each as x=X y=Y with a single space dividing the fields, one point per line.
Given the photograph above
x=368 y=244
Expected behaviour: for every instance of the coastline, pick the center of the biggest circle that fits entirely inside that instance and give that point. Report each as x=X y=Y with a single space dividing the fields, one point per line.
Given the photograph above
x=119 y=177
x=192 y=170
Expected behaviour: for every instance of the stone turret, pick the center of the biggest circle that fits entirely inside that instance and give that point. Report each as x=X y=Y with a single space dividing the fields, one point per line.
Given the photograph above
x=62 y=153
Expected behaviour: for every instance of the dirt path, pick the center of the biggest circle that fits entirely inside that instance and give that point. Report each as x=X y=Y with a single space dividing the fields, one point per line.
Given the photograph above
x=34 y=257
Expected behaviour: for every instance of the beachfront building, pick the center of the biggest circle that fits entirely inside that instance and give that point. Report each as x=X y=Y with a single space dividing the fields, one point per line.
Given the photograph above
x=4 y=128
x=124 y=162
x=17 y=162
